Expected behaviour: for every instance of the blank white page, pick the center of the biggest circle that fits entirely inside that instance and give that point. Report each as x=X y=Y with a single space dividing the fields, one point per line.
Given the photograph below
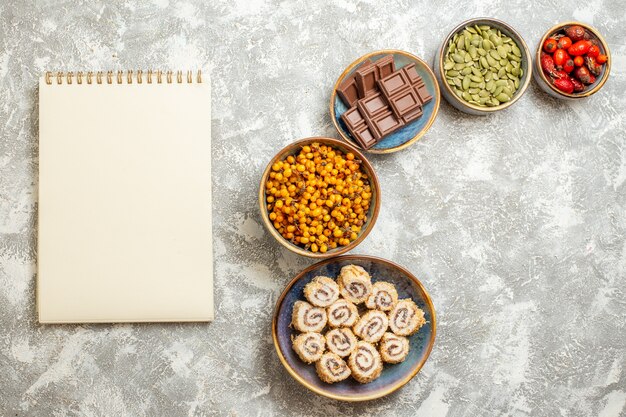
x=124 y=232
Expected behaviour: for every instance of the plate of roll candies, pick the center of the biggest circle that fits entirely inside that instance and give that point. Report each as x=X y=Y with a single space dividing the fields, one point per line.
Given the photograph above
x=354 y=327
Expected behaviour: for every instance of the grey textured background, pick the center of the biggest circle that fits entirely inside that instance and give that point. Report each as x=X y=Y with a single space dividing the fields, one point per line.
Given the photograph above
x=515 y=223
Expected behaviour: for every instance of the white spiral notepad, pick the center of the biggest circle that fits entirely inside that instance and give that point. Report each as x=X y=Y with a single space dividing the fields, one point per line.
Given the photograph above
x=124 y=229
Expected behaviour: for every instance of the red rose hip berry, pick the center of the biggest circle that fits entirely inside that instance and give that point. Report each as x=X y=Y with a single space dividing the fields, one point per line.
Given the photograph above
x=564 y=84
x=550 y=45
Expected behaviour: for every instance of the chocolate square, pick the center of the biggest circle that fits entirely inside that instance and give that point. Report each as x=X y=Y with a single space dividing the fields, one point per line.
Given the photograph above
x=412 y=74
x=385 y=124
x=385 y=66
x=404 y=102
x=413 y=115
x=348 y=92
x=366 y=77
x=394 y=83
x=373 y=105
x=365 y=137
x=422 y=92
x=352 y=118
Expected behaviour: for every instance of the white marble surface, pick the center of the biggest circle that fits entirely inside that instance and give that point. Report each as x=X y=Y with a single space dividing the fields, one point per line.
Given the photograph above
x=515 y=223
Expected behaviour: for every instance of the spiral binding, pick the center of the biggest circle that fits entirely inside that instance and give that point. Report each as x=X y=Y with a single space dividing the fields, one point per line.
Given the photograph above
x=101 y=77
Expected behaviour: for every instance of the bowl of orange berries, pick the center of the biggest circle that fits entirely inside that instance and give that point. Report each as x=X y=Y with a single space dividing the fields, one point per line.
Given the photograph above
x=319 y=197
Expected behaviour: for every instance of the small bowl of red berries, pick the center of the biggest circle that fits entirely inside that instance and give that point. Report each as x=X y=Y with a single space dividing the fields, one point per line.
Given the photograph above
x=573 y=61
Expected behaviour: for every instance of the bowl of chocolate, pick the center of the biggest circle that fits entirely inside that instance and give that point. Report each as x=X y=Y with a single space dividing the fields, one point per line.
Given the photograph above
x=483 y=66
x=572 y=61
x=319 y=197
x=385 y=101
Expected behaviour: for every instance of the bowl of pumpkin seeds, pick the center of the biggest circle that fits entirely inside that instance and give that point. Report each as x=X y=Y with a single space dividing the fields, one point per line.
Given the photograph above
x=483 y=66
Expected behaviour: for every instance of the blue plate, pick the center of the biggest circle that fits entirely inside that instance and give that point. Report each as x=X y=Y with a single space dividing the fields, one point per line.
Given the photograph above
x=410 y=133
x=393 y=376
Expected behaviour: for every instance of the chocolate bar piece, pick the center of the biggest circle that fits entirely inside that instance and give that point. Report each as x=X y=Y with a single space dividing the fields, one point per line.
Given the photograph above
x=366 y=77
x=348 y=92
x=385 y=66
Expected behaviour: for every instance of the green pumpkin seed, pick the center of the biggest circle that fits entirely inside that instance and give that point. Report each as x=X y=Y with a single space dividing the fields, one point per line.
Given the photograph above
x=468 y=58
x=501 y=51
x=481 y=52
x=516 y=51
x=483 y=93
x=497 y=91
x=476 y=78
x=501 y=72
x=448 y=65
x=484 y=62
x=466 y=96
x=516 y=84
x=515 y=71
x=492 y=62
x=466 y=82
x=487 y=45
x=507 y=91
x=490 y=84
x=494 y=54
x=458 y=58
x=458 y=83
x=466 y=71
x=452 y=73
x=472 y=51
x=503 y=98
x=495 y=39
x=471 y=29
x=460 y=43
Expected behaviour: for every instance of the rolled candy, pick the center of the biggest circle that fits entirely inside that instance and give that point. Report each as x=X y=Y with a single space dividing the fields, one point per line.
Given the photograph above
x=365 y=362
x=406 y=318
x=355 y=283
x=372 y=326
x=384 y=296
x=307 y=318
x=341 y=341
x=331 y=368
x=393 y=348
x=342 y=313
x=309 y=346
x=321 y=291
